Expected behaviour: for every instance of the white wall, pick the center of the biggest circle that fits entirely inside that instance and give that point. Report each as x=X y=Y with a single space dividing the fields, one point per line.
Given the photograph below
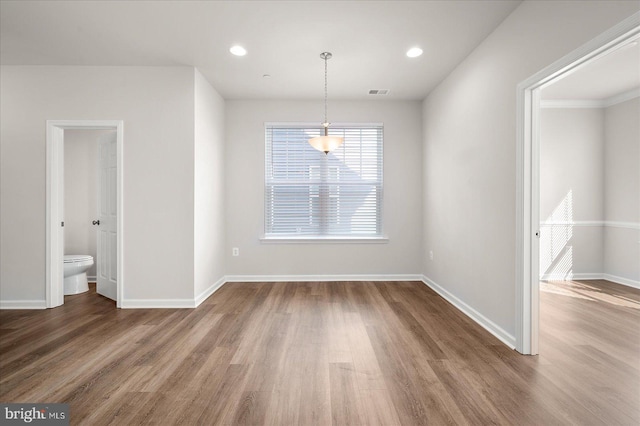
x=469 y=150
x=80 y=193
x=571 y=190
x=209 y=221
x=244 y=171
x=157 y=106
x=622 y=191
x=593 y=155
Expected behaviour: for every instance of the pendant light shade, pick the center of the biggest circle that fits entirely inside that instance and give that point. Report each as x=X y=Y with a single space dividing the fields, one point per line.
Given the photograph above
x=326 y=143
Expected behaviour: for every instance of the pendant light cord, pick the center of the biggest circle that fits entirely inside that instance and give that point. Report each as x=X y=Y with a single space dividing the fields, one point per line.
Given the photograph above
x=326 y=143
x=325 y=92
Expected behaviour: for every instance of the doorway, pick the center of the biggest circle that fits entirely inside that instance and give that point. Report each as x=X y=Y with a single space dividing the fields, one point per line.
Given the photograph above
x=528 y=173
x=55 y=205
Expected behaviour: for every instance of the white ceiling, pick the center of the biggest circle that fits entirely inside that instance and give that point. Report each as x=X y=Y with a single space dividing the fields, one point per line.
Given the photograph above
x=611 y=75
x=284 y=39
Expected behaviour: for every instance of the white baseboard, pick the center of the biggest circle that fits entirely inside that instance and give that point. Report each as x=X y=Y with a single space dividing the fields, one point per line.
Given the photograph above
x=480 y=319
x=157 y=303
x=208 y=292
x=307 y=278
x=23 y=304
x=621 y=280
x=172 y=303
x=572 y=276
x=592 y=276
x=92 y=278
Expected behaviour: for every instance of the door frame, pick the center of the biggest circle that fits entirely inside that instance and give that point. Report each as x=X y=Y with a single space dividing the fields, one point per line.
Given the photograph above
x=528 y=173
x=54 y=288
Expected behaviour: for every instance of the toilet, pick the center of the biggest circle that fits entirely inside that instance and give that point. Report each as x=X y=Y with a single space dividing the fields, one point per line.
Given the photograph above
x=75 y=273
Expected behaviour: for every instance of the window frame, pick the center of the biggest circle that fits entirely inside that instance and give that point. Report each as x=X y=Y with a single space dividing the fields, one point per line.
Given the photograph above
x=319 y=238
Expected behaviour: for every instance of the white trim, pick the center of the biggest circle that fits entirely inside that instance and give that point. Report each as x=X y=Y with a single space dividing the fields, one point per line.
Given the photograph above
x=628 y=225
x=208 y=292
x=577 y=223
x=54 y=205
x=91 y=278
x=324 y=240
x=571 y=103
x=591 y=276
x=158 y=303
x=23 y=304
x=173 y=303
x=572 y=276
x=527 y=173
x=308 y=278
x=54 y=248
x=476 y=316
x=484 y=322
x=120 y=212
x=197 y=301
x=621 y=280
x=314 y=124
x=605 y=223
x=622 y=97
x=591 y=103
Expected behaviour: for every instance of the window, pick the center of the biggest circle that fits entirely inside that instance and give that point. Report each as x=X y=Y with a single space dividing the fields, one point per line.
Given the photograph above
x=312 y=195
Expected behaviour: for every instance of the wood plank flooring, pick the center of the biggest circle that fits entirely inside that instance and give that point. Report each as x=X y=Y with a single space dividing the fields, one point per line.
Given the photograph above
x=341 y=353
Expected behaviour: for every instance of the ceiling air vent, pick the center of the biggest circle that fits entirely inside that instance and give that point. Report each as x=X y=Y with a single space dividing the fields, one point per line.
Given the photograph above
x=378 y=91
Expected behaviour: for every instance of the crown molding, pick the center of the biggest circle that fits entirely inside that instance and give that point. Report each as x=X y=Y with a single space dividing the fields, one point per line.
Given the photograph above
x=591 y=103
x=622 y=97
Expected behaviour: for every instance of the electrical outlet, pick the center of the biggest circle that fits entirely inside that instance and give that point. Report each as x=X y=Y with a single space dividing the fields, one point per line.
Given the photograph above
x=431 y=254
x=235 y=251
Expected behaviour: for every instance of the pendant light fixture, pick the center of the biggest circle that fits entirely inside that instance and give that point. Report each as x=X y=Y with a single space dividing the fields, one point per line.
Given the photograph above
x=326 y=143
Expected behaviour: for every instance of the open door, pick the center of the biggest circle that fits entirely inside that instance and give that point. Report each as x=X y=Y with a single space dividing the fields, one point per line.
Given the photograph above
x=107 y=284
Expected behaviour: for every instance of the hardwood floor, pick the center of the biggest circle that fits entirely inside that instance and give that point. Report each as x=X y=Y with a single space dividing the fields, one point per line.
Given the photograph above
x=347 y=353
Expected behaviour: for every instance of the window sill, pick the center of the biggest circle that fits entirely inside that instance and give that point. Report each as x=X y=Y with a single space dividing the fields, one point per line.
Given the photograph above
x=324 y=240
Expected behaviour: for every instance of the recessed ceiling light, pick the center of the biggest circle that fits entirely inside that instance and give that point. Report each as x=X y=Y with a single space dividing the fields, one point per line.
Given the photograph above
x=238 y=50
x=414 y=52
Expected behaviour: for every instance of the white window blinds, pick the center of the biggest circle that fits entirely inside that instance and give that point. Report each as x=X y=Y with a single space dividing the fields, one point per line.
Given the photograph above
x=310 y=194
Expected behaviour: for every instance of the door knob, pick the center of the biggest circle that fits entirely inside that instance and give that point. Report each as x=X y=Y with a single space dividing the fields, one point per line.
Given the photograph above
x=96 y=222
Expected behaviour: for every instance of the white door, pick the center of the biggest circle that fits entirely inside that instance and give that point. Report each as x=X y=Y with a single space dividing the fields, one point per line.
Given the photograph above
x=107 y=215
